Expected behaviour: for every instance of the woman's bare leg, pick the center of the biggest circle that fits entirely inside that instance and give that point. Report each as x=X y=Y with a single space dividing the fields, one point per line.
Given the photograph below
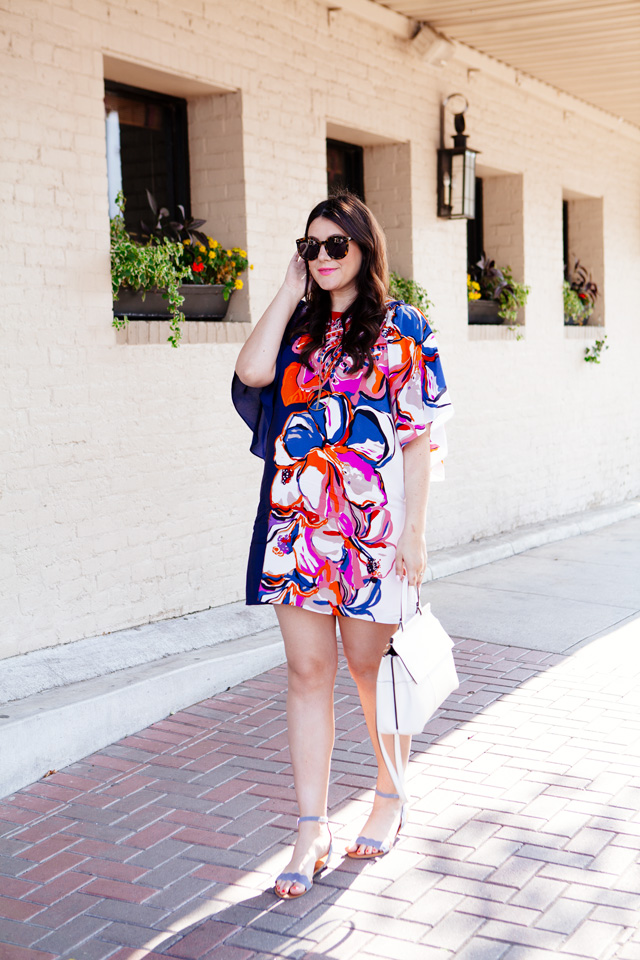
x=364 y=643
x=312 y=661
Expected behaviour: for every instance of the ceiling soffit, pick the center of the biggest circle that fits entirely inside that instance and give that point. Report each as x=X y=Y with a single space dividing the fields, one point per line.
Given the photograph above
x=590 y=49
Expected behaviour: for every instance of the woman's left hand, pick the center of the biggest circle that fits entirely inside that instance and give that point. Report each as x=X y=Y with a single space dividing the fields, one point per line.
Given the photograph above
x=411 y=557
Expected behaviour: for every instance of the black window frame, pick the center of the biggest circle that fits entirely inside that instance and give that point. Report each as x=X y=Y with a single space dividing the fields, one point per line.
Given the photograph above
x=354 y=162
x=565 y=237
x=177 y=136
x=475 y=228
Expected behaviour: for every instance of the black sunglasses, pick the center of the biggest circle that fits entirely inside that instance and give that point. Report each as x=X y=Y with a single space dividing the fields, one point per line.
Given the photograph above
x=309 y=248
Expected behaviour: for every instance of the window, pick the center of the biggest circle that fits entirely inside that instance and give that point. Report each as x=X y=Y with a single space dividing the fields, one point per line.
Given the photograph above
x=345 y=168
x=499 y=231
x=583 y=241
x=565 y=237
x=475 y=228
x=147 y=148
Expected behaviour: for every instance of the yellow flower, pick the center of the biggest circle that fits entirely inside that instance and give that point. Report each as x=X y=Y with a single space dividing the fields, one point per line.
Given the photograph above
x=242 y=253
x=213 y=244
x=186 y=242
x=201 y=248
x=239 y=284
x=212 y=254
x=228 y=253
x=251 y=267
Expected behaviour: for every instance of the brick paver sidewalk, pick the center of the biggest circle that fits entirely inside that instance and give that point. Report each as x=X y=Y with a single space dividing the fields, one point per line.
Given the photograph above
x=522 y=843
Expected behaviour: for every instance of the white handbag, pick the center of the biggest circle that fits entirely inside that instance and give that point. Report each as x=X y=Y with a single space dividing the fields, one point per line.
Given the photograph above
x=416 y=675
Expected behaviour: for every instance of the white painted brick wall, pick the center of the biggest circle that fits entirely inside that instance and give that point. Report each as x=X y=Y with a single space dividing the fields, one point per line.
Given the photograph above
x=128 y=489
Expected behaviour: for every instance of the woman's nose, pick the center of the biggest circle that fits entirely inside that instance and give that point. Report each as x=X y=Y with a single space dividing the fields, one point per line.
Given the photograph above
x=323 y=255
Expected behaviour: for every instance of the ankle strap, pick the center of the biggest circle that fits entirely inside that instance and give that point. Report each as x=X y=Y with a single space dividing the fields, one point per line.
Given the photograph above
x=388 y=796
x=315 y=819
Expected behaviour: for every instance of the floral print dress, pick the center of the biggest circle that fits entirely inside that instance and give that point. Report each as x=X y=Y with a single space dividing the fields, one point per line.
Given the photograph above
x=332 y=503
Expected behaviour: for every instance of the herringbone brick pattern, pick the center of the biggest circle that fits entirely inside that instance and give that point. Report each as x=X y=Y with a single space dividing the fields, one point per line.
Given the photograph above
x=523 y=841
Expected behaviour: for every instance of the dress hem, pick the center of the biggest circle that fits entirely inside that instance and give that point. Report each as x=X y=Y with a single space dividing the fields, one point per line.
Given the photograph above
x=322 y=613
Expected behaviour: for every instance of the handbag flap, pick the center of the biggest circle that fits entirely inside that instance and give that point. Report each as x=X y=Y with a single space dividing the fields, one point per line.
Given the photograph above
x=422 y=644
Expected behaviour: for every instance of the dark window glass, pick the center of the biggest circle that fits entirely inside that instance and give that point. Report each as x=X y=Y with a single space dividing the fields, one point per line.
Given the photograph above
x=565 y=237
x=475 y=228
x=345 y=168
x=147 y=148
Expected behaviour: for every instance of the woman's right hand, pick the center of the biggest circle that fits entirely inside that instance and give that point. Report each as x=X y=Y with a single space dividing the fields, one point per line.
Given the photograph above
x=296 y=277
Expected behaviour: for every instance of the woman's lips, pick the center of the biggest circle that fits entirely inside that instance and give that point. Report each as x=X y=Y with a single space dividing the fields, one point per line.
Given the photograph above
x=326 y=271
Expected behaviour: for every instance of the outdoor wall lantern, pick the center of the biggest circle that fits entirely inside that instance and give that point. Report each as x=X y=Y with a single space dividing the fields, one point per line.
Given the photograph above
x=456 y=170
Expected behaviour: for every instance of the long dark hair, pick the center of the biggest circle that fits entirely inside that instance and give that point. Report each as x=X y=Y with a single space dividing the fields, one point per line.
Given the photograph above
x=368 y=309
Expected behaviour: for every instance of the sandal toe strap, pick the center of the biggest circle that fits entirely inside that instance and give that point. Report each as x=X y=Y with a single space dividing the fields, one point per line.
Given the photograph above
x=296 y=878
x=368 y=842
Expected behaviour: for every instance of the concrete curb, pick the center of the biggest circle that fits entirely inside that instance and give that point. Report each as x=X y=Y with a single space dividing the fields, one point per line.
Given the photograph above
x=58 y=710
x=52 y=729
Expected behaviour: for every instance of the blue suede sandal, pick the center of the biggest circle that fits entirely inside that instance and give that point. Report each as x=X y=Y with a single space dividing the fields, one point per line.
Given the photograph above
x=300 y=877
x=382 y=848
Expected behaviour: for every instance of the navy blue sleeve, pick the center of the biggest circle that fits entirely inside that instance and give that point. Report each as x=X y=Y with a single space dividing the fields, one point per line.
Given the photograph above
x=256 y=404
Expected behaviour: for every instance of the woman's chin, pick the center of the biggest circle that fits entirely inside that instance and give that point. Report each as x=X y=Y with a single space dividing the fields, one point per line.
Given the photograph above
x=329 y=282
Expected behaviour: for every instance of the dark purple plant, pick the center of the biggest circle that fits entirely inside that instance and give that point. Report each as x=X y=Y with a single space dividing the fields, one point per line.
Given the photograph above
x=491 y=278
x=580 y=280
x=184 y=228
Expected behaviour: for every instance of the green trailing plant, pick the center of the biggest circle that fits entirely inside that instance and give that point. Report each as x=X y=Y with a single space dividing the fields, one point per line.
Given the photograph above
x=517 y=329
x=579 y=295
x=593 y=353
x=575 y=310
x=171 y=253
x=401 y=288
x=493 y=283
x=145 y=267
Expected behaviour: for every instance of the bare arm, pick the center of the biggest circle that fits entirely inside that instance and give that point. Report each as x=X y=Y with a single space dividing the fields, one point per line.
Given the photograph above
x=256 y=363
x=411 y=553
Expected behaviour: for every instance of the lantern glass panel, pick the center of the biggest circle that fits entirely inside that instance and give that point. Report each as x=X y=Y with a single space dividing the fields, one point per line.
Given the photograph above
x=457 y=184
x=470 y=184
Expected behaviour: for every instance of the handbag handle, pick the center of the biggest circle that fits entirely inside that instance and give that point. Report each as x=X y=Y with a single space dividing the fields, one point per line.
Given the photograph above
x=404 y=601
x=395 y=772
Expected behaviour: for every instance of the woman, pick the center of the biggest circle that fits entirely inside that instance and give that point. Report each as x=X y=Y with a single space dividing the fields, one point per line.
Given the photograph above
x=341 y=390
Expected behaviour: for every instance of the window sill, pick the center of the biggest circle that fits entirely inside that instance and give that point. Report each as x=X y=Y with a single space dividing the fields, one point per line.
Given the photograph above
x=481 y=331
x=589 y=332
x=139 y=332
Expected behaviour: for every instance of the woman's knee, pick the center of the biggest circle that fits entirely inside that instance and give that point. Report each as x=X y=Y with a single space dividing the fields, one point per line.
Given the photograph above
x=311 y=648
x=363 y=669
x=309 y=674
x=364 y=643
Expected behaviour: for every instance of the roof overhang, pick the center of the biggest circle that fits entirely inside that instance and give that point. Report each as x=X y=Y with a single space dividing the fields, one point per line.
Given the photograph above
x=588 y=49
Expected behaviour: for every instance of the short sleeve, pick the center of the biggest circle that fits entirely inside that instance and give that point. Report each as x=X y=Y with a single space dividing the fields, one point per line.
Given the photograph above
x=419 y=394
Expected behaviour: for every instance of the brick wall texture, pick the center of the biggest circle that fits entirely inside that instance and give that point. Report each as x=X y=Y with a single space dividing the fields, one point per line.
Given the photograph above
x=127 y=487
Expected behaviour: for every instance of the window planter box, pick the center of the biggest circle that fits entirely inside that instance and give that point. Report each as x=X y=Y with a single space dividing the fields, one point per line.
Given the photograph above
x=201 y=302
x=575 y=321
x=484 y=311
